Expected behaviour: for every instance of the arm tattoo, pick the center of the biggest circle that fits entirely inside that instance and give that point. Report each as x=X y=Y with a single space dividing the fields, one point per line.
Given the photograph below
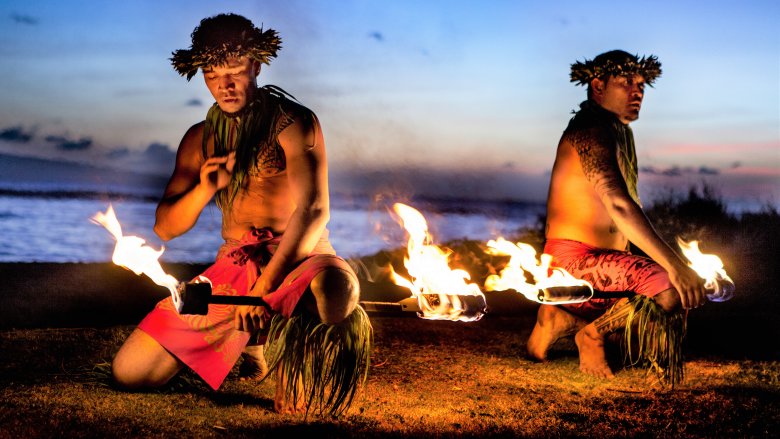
x=598 y=158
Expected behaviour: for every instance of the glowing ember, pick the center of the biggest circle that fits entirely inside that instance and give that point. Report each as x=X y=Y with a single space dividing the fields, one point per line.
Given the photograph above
x=710 y=268
x=440 y=291
x=548 y=284
x=132 y=253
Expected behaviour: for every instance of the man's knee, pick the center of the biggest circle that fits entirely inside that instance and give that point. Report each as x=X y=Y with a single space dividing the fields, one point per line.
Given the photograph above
x=336 y=292
x=669 y=300
x=142 y=363
x=124 y=375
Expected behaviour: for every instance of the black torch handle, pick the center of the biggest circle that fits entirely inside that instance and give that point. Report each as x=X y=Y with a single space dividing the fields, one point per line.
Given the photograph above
x=597 y=294
x=239 y=300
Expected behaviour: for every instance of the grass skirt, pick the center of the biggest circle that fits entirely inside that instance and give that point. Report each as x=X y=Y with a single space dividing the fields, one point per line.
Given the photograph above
x=657 y=339
x=331 y=361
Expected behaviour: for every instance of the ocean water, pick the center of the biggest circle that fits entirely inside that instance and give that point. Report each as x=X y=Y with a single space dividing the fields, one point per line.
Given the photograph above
x=56 y=227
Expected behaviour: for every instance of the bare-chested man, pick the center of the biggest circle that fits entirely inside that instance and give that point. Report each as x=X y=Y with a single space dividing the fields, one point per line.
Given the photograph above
x=593 y=212
x=262 y=157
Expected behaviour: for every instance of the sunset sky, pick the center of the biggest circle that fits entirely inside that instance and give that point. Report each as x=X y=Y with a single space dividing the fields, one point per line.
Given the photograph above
x=455 y=98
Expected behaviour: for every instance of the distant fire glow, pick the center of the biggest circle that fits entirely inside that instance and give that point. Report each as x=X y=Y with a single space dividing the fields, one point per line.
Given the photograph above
x=719 y=285
x=132 y=253
x=440 y=291
x=534 y=279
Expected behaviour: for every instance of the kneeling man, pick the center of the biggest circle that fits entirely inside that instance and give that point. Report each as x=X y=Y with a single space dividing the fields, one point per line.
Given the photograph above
x=593 y=212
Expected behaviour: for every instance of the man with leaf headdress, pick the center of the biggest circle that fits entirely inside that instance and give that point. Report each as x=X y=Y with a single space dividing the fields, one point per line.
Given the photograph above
x=261 y=156
x=593 y=212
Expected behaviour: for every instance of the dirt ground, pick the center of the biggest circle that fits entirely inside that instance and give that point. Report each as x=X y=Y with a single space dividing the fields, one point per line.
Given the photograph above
x=428 y=379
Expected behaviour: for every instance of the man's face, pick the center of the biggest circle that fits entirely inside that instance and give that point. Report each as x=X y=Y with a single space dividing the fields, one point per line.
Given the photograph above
x=621 y=95
x=232 y=84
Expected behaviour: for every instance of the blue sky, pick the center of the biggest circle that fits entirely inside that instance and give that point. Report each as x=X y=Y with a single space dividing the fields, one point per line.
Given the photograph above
x=425 y=97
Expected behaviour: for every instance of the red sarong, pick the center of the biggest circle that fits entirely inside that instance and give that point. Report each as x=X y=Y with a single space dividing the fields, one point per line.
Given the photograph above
x=607 y=270
x=210 y=345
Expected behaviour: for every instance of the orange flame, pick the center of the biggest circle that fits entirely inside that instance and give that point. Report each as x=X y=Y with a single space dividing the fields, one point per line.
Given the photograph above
x=710 y=268
x=132 y=253
x=523 y=259
x=438 y=289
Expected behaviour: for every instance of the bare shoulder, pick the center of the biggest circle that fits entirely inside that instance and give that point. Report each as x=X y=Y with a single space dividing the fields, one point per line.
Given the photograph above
x=189 y=156
x=596 y=149
x=193 y=138
x=302 y=131
x=589 y=140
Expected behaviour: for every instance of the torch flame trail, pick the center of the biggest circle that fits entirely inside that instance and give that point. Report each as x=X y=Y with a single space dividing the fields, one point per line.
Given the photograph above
x=431 y=276
x=132 y=253
x=522 y=260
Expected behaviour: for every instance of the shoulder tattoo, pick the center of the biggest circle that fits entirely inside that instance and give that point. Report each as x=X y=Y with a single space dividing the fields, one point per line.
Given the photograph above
x=598 y=158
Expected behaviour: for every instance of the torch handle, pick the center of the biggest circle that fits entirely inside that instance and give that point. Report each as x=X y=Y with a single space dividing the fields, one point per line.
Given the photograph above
x=597 y=294
x=239 y=300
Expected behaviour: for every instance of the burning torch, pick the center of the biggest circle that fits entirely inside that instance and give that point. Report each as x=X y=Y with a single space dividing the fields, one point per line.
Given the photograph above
x=554 y=285
x=439 y=292
x=710 y=268
x=132 y=253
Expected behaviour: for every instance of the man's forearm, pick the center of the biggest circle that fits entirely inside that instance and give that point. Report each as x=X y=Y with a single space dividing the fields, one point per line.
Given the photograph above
x=632 y=222
x=176 y=215
x=303 y=231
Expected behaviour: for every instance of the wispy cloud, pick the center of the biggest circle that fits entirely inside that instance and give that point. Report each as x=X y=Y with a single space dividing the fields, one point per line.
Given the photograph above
x=159 y=151
x=505 y=184
x=194 y=102
x=715 y=148
x=24 y=19
x=704 y=170
x=377 y=36
x=16 y=134
x=677 y=171
x=155 y=159
x=65 y=144
x=766 y=171
x=118 y=153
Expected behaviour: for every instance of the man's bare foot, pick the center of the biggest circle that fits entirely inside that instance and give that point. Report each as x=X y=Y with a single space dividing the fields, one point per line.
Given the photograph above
x=281 y=403
x=552 y=324
x=254 y=366
x=593 y=360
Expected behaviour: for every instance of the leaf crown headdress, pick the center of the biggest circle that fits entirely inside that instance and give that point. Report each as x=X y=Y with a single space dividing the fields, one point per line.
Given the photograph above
x=618 y=63
x=225 y=36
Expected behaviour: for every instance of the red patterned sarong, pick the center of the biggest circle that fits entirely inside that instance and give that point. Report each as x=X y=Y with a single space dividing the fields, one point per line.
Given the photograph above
x=210 y=345
x=607 y=270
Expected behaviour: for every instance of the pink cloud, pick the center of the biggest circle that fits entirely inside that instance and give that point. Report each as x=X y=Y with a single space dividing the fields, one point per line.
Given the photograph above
x=762 y=171
x=717 y=148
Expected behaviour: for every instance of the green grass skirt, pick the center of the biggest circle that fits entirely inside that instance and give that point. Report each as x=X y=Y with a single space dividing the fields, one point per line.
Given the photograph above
x=657 y=339
x=323 y=365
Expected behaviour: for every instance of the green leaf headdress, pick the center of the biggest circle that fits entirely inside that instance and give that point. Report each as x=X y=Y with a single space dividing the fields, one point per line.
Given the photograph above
x=617 y=63
x=225 y=36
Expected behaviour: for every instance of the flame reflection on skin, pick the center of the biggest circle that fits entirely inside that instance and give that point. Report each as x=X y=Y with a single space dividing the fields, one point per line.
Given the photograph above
x=132 y=253
x=709 y=267
x=439 y=289
x=523 y=260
